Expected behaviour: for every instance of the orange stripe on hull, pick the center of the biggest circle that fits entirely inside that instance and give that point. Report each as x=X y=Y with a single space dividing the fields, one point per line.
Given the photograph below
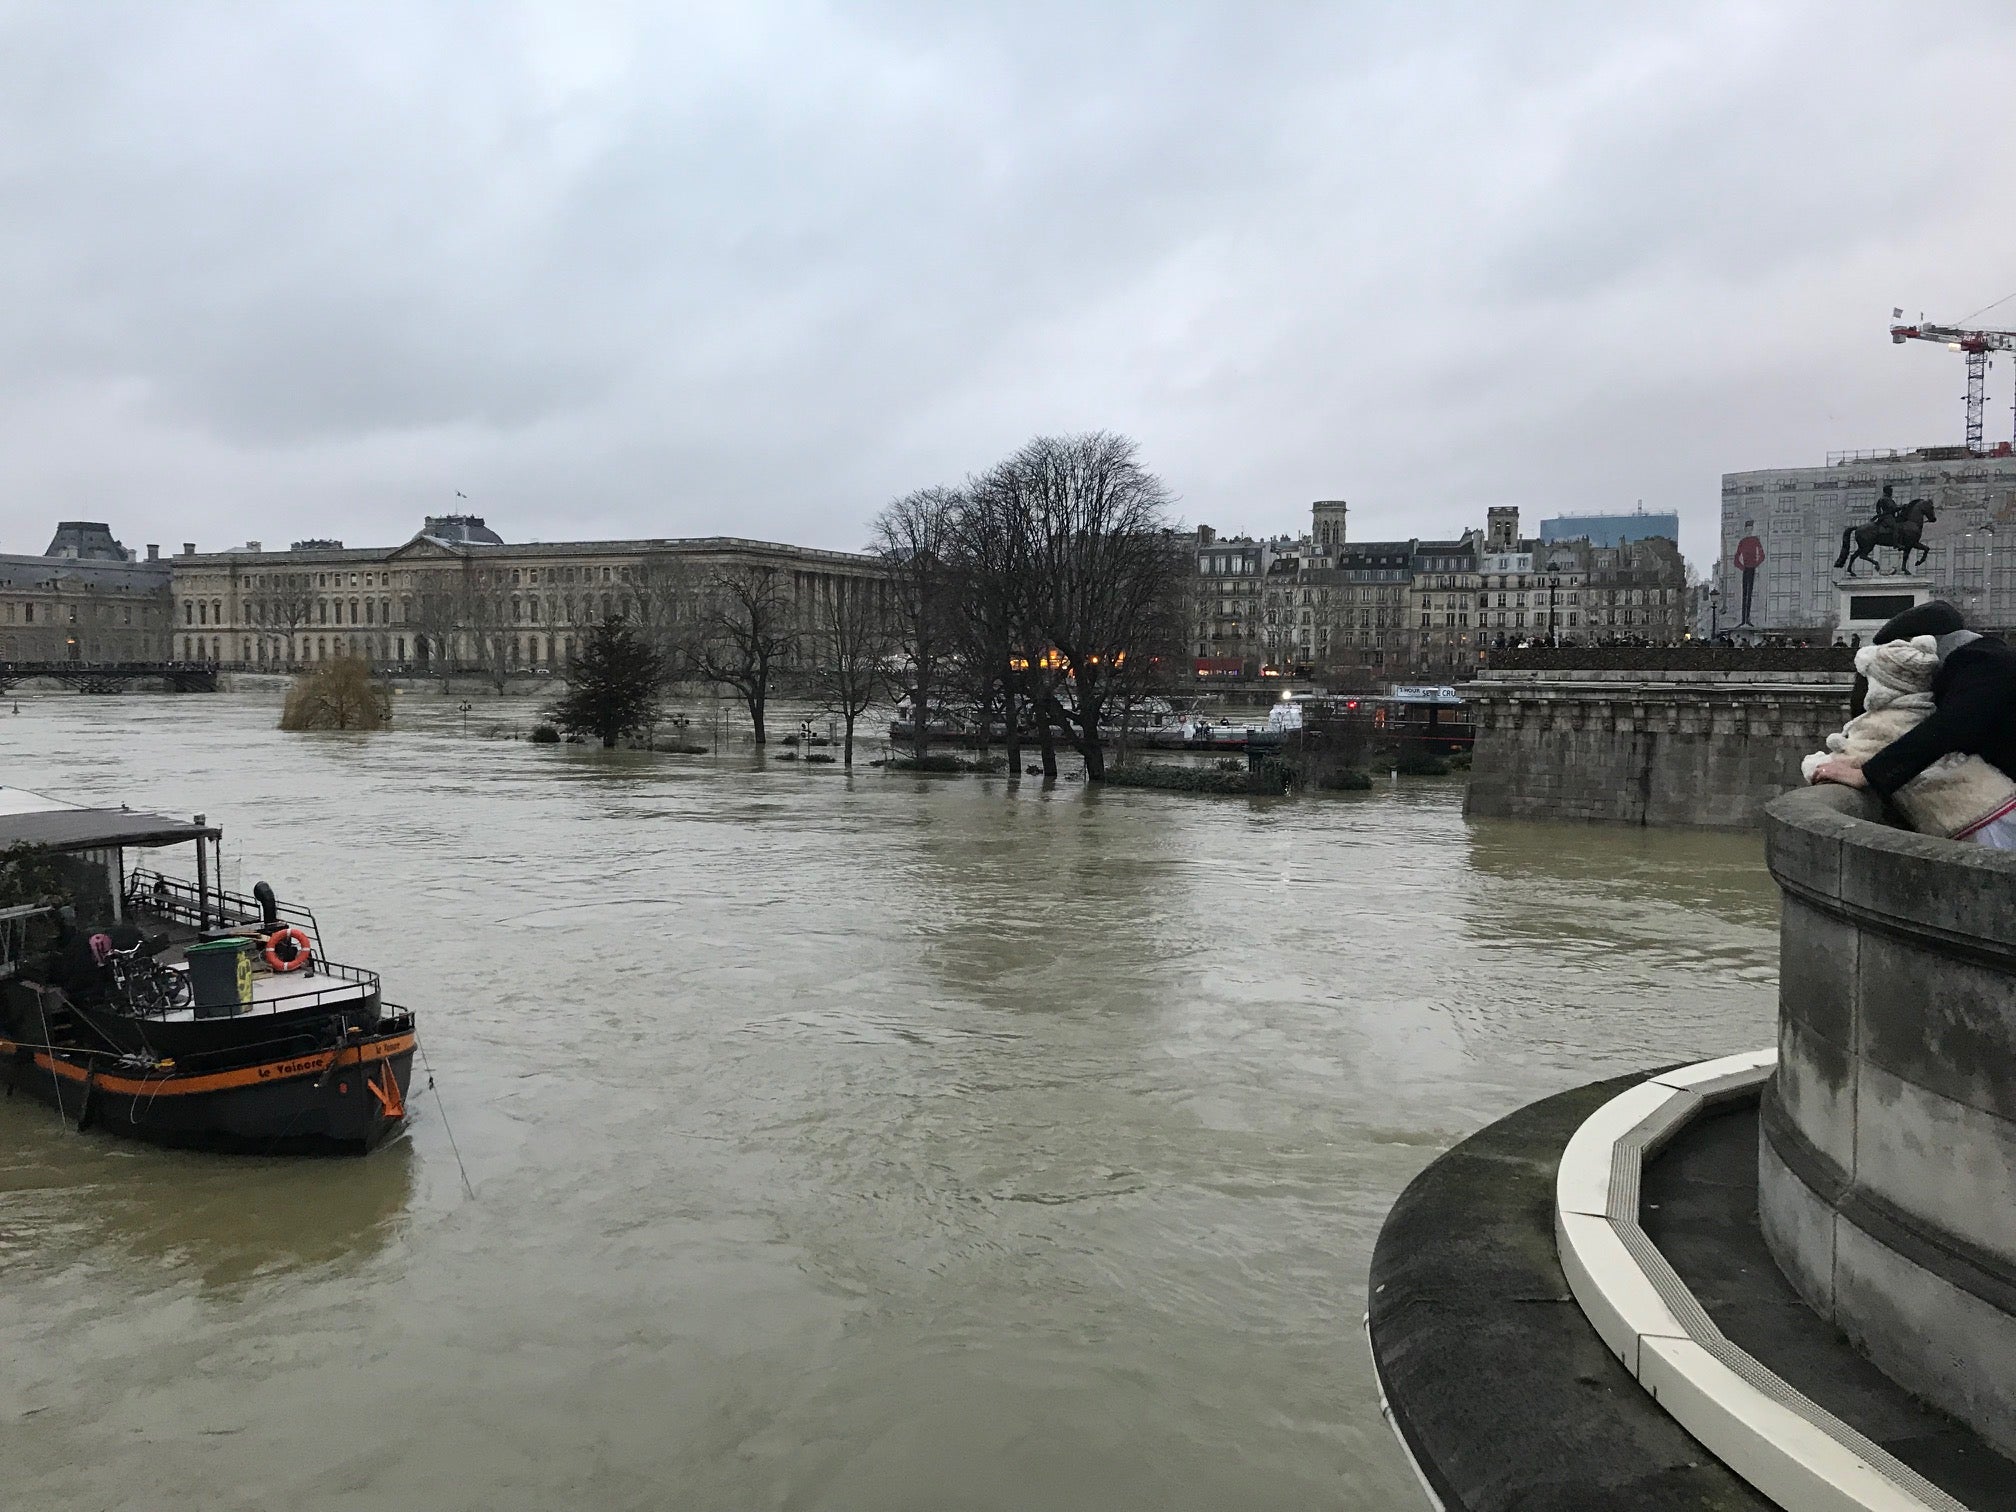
x=172 y=1085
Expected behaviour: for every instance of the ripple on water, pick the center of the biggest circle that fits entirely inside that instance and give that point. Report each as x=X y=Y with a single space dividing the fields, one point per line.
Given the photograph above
x=839 y=1142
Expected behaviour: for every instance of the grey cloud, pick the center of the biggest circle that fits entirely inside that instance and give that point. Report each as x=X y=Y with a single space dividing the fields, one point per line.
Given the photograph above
x=758 y=268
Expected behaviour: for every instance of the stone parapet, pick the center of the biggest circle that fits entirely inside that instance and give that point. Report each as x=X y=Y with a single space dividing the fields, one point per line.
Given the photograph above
x=1709 y=753
x=1665 y=662
x=1887 y=1159
x=1664 y=677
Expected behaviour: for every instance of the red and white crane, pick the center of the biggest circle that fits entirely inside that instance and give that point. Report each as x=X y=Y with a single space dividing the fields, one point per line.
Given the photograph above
x=1975 y=347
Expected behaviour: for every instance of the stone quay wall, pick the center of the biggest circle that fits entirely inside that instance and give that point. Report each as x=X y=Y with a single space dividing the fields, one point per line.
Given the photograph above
x=1887 y=1154
x=1660 y=745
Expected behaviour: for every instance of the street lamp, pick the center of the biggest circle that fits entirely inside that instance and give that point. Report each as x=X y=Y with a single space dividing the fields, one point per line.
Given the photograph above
x=1714 y=613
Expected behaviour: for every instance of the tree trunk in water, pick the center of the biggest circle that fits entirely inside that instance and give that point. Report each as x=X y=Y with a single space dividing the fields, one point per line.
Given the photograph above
x=847 y=744
x=1048 y=736
x=756 y=717
x=920 y=711
x=1011 y=730
x=1095 y=759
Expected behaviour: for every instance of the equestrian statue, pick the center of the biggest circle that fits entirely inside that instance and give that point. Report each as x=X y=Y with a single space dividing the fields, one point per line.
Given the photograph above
x=1901 y=527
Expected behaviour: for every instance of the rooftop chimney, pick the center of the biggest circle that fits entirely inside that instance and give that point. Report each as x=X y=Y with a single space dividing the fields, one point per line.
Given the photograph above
x=153 y=552
x=251 y=545
x=188 y=548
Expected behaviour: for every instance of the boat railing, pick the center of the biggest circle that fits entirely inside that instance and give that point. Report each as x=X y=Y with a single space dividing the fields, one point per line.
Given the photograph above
x=175 y=900
x=329 y=982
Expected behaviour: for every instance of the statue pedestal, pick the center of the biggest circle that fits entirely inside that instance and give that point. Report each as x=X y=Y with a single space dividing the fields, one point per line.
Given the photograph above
x=1862 y=604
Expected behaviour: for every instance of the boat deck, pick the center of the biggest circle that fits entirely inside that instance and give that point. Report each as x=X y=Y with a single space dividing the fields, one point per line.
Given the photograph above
x=272 y=993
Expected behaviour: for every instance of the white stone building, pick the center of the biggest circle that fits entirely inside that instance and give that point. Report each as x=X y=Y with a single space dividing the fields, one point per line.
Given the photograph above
x=458 y=593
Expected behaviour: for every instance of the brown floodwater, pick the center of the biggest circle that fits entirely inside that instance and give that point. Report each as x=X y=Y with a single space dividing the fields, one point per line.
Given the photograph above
x=839 y=1142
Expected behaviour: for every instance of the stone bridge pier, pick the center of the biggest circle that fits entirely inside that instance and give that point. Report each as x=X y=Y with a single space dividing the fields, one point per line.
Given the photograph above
x=1887 y=1158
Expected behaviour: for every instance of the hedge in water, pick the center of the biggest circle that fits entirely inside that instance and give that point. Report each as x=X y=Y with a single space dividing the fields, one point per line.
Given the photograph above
x=1345 y=780
x=943 y=764
x=1271 y=778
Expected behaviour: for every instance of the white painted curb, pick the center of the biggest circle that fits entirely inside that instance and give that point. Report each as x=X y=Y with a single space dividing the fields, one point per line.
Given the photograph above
x=1790 y=1449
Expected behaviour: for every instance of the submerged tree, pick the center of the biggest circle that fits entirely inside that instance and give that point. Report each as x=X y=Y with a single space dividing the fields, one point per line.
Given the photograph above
x=746 y=629
x=1096 y=574
x=337 y=694
x=915 y=537
x=612 y=685
x=436 y=618
x=852 y=651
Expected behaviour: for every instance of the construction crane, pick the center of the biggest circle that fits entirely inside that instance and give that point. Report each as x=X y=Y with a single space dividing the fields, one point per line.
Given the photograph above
x=1975 y=347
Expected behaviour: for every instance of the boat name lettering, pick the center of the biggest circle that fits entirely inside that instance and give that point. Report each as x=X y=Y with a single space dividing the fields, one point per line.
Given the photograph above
x=293 y=1067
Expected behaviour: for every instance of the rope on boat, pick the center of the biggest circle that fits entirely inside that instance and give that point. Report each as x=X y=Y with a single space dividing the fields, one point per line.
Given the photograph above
x=449 y=1128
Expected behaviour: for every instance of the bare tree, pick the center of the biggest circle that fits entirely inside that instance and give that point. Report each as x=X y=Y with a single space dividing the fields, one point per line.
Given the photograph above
x=853 y=652
x=916 y=537
x=746 y=627
x=1100 y=576
x=993 y=657
x=487 y=623
x=664 y=605
x=291 y=605
x=436 y=621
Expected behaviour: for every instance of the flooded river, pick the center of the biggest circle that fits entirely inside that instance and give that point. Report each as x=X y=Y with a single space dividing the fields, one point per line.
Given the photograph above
x=867 y=1143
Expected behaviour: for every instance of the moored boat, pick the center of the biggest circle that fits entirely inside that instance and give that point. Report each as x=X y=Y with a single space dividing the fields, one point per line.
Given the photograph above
x=164 y=1008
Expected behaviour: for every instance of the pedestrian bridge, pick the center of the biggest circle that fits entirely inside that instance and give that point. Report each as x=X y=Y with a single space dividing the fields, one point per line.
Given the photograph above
x=113 y=677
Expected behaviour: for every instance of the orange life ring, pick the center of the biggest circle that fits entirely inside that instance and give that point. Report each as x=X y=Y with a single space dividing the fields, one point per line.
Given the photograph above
x=288 y=949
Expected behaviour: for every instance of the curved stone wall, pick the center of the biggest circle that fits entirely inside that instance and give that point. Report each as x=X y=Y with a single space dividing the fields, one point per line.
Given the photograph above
x=1887 y=1164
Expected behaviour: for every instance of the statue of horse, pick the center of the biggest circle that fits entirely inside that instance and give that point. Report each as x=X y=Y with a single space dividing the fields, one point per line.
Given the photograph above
x=1902 y=533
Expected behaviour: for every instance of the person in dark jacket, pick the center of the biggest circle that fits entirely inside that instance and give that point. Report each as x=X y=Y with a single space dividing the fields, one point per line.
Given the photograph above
x=1973 y=711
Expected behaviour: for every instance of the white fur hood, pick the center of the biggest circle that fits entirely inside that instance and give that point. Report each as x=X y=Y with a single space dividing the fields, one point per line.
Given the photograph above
x=1898 y=669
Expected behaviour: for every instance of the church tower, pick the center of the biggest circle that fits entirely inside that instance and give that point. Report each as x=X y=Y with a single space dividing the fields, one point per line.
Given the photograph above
x=1501 y=528
x=1328 y=516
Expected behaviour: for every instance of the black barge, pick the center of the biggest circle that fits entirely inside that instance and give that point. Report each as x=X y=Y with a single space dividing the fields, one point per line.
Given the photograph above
x=163 y=1008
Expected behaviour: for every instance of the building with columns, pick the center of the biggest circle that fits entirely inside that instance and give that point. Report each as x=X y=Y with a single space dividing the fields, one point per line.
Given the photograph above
x=459 y=593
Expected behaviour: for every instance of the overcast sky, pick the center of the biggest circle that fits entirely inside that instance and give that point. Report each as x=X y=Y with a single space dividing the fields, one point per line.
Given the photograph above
x=282 y=270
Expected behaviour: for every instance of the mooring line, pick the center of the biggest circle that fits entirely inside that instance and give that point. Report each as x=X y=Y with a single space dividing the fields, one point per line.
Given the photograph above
x=447 y=1126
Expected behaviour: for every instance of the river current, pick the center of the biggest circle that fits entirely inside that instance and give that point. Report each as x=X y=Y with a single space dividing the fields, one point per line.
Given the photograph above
x=878 y=1143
